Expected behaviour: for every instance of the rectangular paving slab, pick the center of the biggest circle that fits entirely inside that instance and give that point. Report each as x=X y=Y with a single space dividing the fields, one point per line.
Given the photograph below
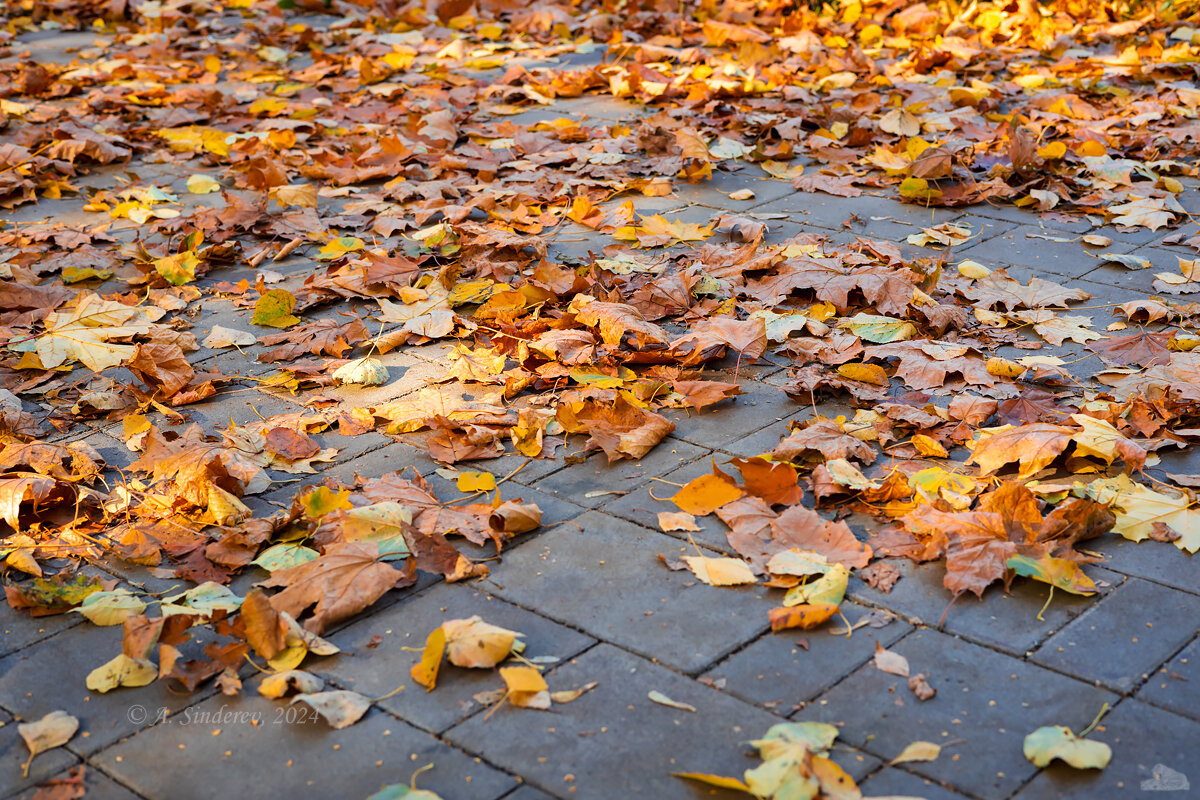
x=14 y=753
x=50 y=675
x=1176 y=684
x=602 y=575
x=290 y=753
x=614 y=742
x=985 y=704
x=1013 y=621
x=1136 y=628
x=378 y=652
x=1153 y=755
x=784 y=670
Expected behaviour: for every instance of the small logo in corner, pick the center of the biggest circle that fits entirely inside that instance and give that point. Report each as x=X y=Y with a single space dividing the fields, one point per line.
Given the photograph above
x=1165 y=779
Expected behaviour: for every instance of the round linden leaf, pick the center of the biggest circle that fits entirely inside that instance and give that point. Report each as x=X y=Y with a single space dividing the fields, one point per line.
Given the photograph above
x=110 y=608
x=202 y=184
x=1054 y=741
x=363 y=371
x=121 y=671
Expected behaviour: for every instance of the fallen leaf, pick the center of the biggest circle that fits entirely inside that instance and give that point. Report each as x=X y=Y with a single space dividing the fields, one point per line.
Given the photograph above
x=1054 y=741
x=660 y=698
x=340 y=708
x=918 y=751
x=53 y=730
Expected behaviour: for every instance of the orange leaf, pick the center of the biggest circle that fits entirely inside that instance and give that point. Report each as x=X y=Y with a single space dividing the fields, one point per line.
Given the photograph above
x=706 y=494
x=425 y=671
x=806 y=617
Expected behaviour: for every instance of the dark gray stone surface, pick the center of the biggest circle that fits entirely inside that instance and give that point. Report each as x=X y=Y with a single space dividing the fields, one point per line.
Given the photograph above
x=615 y=742
x=985 y=704
x=296 y=755
x=1004 y=621
x=97 y=785
x=781 y=673
x=1137 y=627
x=50 y=676
x=375 y=669
x=1152 y=751
x=1176 y=684
x=604 y=578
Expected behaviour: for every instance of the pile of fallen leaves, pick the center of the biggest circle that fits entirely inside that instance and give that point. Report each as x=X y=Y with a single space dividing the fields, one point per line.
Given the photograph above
x=365 y=188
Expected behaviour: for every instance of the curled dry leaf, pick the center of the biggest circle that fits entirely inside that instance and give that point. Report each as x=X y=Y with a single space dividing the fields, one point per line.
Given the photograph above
x=340 y=708
x=53 y=730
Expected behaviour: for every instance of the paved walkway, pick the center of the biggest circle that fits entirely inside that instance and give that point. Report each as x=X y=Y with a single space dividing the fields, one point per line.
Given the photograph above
x=590 y=590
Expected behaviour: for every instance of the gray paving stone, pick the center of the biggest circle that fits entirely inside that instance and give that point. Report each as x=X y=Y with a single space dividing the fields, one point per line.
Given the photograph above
x=1073 y=259
x=406 y=374
x=615 y=742
x=604 y=578
x=1176 y=685
x=1161 y=562
x=1130 y=284
x=237 y=407
x=528 y=793
x=761 y=404
x=379 y=668
x=893 y=781
x=777 y=672
x=986 y=699
x=1051 y=223
x=830 y=211
x=643 y=505
x=1144 y=740
x=1137 y=627
x=1005 y=621
x=13 y=754
x=97 y=785
x=18 y=629
x=298 y=756
x=715 y=191
x=596 y=474
x=761 y=441
x=50 y=674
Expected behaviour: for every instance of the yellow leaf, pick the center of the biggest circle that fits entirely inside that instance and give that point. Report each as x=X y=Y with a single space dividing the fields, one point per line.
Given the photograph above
x=520 y=680
x=1003 y=368
x=918 y=751
x=928 y=446
x=274 y=309
x=720 y=571
x=323 y=500
x=336 y=248
x=179 y=268
x=1052 y=151
x=474 y=643
x=121 y=671
x=202 y=184
x=196 y=137
x=303 y=195
x=782 y=170
x=867 y=373
x=425 y=671
x=476 y=481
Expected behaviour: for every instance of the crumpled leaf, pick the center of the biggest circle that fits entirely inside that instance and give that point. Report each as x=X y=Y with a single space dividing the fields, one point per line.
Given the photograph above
x=344 y=580
x=110 y=608
x=340 y=708
x=1054 y=741
x=53 y=730
x=121 y=671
